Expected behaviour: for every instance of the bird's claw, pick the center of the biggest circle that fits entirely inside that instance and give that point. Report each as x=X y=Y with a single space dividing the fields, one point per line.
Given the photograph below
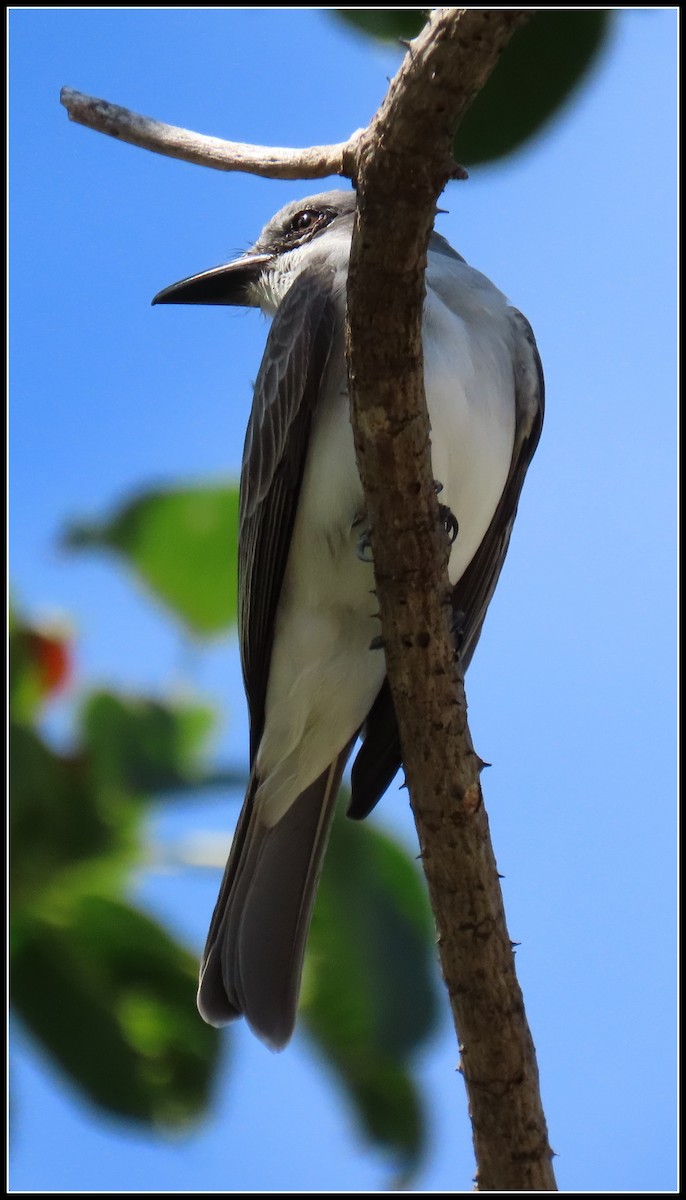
x=449 y=522
x=364 y=547
x=447 y=516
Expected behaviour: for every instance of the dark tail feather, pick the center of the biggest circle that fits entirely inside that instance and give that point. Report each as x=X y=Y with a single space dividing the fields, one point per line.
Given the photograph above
x=378 y=758
x=254 y=954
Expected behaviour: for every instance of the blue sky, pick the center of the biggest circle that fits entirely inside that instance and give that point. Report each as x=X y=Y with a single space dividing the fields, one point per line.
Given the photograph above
x=572 y=691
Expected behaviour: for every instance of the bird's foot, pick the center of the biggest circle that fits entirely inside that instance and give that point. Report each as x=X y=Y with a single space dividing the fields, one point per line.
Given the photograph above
x=448 y=517
x=449 y=522
x=364 y=545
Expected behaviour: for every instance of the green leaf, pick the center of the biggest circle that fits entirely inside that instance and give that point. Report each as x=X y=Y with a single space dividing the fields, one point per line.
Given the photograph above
x=369 y=996
x=58 y=819
x=537 y=74
x=183 y=544
x=111 y=998
x=540 y=68
x=140 y=745
x=78 y=811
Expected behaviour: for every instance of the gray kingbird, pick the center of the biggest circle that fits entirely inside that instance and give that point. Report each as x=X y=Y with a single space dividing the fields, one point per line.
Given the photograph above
x=313 y=678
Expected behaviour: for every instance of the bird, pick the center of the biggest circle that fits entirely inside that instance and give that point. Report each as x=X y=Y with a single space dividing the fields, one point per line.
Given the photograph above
x=315 y=678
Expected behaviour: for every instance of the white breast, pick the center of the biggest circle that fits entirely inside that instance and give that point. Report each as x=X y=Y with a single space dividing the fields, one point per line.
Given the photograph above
x=323 y=676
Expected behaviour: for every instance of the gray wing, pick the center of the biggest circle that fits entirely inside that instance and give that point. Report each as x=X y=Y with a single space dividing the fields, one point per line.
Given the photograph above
x=473 y=592
x=379 y=757
x=255 y=945
x=286 y=393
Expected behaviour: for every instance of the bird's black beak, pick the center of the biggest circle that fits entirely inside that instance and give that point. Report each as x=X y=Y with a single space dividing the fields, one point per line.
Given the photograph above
x=228 y=284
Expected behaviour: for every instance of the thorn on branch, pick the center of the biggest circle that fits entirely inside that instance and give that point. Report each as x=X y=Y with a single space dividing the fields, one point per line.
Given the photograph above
x=457 y=171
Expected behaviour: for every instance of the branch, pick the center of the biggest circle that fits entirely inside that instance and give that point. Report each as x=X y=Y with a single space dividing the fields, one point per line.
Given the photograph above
x=405 y=161
x=273 y=162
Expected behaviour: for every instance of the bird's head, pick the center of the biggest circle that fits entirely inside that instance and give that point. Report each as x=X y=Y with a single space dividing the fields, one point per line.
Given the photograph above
x=289 y=243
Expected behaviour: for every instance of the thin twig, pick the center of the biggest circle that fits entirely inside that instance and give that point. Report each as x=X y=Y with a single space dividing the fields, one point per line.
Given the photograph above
x=273 y=162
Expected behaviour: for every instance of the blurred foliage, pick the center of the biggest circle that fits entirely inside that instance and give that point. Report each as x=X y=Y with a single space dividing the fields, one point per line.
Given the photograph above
x=182 y=543
x=110 y=995
x=39 y=666
x=538 y=72
x=369 y=996
x=107 y=993
x=139 y=745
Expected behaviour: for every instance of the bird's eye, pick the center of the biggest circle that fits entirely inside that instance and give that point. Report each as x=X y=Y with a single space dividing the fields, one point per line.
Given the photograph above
x=305 y=225
x=305 y=220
